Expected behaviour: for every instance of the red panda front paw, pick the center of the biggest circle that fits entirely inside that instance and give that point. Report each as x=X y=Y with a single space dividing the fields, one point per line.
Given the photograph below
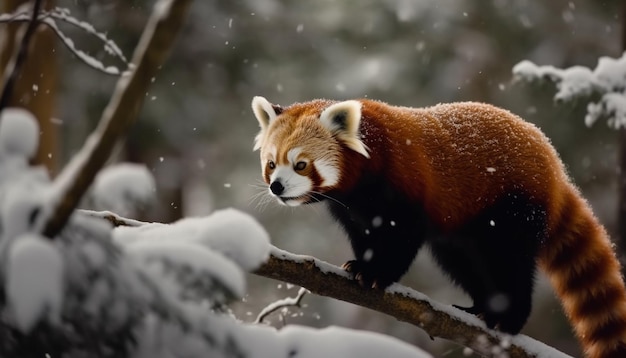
x=361 y=272
x=350 y=266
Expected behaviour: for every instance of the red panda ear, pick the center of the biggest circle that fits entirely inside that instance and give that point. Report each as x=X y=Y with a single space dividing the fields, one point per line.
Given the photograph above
x=343 y=120
x=265 y=113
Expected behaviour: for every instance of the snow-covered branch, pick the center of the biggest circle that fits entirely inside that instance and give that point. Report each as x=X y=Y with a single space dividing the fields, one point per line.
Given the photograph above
x=123 y=109
x=607 y=80
x=403 y=303
x=239 y=243
x=48 y=18
x=282 y=304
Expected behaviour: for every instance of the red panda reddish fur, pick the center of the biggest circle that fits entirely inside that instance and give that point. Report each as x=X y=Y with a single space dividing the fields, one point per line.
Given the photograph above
x=489 y=194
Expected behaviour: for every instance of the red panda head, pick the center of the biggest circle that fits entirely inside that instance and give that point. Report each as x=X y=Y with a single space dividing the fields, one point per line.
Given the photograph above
x=301 y=146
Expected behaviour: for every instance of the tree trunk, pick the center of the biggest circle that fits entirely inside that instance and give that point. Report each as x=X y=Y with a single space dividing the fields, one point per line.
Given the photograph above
x=35 y=89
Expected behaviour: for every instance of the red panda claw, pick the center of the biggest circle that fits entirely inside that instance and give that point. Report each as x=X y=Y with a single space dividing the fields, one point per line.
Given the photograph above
x=349 y=266
x=359 y=277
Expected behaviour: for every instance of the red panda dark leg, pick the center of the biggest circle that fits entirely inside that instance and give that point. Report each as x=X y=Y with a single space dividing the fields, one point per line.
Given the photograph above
x=383 y=253
x=385 y=231
x=493 y=259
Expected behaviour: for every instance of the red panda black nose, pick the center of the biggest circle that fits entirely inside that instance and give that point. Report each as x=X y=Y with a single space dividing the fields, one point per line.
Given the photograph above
x=277 y=188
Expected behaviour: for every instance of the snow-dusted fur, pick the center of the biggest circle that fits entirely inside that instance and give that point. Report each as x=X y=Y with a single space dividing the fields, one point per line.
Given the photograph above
x=482 y=188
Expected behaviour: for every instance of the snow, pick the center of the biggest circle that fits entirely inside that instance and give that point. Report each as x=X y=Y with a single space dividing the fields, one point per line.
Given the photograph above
x=233 y=233
x=19 y=133
x=19 y=204
x=534 y=347
x=527 y=343
x=323 y=266
x=104 y=214
x=261 y=341
x=123 y=187
x=34 y=284
x=612 y=104
x=238 y=236
x=305 y=342
x=201 y=261
x=608 y=79
x=610 y=73
x=218 y=246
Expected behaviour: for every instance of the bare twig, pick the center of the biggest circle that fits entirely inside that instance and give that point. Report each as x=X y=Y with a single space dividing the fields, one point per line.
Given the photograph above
x=123 y=109
x=14 y=66
x=48 y=18
x=285 y=302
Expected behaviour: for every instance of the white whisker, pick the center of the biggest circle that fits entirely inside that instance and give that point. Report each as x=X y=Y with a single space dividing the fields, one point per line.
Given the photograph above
x=262 y=197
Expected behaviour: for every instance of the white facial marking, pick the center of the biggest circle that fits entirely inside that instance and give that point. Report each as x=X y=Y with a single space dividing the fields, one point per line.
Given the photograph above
x=295 y=185
x=292 y=155
x=328 y=172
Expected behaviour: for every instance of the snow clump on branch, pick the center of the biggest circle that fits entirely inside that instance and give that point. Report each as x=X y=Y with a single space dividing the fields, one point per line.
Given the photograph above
x=607 y=80
x=124 y=188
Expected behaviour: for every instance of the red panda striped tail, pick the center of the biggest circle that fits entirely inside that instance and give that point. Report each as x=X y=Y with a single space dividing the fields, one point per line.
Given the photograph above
x=580 y=261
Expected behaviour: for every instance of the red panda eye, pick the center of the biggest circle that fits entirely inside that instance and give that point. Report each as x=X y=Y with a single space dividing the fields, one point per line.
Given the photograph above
x=271 y=164
x=300 y=165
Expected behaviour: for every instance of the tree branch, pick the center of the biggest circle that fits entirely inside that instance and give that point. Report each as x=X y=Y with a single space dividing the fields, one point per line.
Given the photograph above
x=406 y=305
x=284 y=303
x=48 y=18
x=403 y=303
x=14 y=66
x=154 y=45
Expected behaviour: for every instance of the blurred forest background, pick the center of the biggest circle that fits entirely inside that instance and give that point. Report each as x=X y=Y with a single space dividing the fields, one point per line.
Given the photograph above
x=196 y=128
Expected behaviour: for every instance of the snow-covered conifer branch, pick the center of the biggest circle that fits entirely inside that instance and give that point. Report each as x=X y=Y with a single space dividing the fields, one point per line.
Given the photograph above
x=607 y=81
x=154 y=45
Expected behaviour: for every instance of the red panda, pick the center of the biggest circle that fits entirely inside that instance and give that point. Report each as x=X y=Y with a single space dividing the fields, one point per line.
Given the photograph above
x=482 y=188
